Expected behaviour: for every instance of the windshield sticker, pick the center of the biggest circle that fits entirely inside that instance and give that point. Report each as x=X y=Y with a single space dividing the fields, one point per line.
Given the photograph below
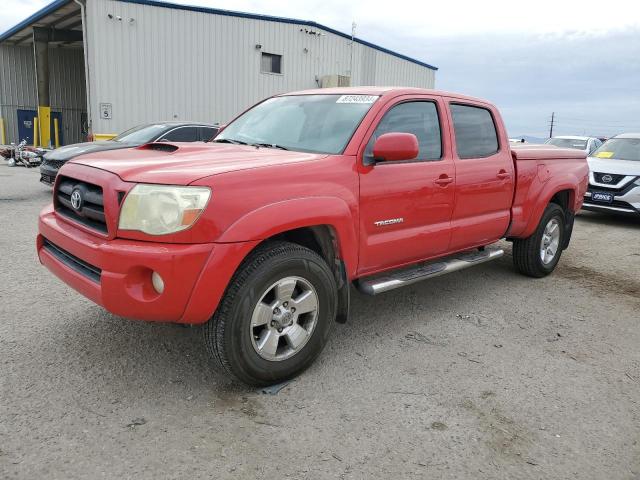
x=604 y=154
x=357 y=99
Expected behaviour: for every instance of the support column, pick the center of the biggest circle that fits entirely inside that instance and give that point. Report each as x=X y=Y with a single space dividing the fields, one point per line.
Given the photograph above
x=41 y=55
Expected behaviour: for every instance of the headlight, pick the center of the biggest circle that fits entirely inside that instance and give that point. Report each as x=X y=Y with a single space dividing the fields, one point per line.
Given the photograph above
x=162 y=209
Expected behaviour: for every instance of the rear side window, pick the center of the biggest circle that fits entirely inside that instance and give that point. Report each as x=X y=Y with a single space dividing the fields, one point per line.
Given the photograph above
x=475 y=131
x=182 y=134
x=207 y=133
x=419 y=118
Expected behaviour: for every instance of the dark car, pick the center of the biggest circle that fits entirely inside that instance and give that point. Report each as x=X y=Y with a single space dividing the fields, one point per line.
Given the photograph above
x=154 y=132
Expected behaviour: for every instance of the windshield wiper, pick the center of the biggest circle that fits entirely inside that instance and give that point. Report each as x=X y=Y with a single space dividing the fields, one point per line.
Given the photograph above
x=270 y=145
x=230 y=140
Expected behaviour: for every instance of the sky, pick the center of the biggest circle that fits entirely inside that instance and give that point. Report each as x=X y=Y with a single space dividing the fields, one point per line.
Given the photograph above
x=579 y=59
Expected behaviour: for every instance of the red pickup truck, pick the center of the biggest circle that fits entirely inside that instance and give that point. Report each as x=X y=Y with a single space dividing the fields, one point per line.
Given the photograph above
x=260 y=234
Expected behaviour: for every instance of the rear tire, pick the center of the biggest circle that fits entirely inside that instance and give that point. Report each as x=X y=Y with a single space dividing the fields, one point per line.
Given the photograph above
x=256 y=335
x=538 y=255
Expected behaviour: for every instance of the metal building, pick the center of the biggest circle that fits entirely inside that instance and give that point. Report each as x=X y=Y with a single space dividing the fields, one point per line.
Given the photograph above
x=103 y=66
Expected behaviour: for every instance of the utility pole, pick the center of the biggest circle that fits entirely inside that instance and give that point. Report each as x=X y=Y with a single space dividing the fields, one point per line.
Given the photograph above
x=553 y=114
x=353 y=34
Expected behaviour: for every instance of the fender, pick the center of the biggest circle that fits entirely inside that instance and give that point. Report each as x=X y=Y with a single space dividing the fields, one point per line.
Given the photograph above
x=542 y=201
x=295 y=213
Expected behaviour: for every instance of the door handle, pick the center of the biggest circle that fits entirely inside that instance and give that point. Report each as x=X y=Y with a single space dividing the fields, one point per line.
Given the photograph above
x=503 y=174
x=444 y=180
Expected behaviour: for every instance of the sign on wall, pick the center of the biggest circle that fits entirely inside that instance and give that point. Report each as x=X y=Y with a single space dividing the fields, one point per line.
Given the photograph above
x=105 y=111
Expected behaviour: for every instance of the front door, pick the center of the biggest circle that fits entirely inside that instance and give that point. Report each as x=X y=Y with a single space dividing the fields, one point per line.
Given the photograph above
x=406 y=207
x=484 y=177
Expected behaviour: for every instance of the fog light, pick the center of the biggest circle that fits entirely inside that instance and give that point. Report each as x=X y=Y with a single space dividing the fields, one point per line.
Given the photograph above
x=157 y=282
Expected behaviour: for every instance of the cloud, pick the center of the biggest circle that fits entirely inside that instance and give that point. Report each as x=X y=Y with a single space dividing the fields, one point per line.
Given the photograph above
x=573 y=57
x=591 y=80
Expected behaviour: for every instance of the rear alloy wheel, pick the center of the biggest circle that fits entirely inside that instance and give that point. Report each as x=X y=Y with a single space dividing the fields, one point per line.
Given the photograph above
x=276 y=315
x=538 y=255
x=550 y=243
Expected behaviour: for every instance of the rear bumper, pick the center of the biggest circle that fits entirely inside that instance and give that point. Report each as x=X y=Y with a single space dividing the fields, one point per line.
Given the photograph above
x=116 y=274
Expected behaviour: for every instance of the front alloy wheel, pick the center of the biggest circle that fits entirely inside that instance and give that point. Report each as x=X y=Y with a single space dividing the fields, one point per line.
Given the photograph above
x=276 y=315
x=284 y=319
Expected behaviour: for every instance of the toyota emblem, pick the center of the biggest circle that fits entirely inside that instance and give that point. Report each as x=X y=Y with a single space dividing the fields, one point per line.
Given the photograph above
x=607 y=178
x=76 y=199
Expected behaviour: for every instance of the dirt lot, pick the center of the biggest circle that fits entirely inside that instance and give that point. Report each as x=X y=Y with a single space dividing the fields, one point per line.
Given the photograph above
x=479 y=374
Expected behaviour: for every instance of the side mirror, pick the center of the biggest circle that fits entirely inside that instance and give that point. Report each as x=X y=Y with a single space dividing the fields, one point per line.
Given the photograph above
x=395 y=146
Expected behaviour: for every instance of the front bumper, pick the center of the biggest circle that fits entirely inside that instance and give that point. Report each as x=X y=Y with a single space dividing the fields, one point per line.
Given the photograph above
x=48 y=174
x=116 y=274
x=627 y=202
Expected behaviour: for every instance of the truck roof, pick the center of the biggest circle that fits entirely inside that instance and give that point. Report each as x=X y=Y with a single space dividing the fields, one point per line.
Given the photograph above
x=382 y=91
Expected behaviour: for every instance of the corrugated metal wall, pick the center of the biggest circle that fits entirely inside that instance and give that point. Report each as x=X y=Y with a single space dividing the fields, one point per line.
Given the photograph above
x=158 y=63
x=18 y=88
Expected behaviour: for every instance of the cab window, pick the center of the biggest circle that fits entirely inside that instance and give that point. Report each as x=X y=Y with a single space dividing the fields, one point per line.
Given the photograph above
x=475 y=132
x=419 y=118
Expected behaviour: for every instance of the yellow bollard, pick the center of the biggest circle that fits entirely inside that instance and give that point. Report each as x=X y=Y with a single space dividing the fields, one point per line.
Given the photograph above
x=44 y=114
x=3 y=137
x=36 y=137
x=55 y=133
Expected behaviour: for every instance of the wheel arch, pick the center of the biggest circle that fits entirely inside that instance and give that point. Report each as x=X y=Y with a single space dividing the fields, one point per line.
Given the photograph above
x=563 y=194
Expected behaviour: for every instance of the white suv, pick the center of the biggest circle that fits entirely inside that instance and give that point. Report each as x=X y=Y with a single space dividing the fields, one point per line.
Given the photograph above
x=614 y=176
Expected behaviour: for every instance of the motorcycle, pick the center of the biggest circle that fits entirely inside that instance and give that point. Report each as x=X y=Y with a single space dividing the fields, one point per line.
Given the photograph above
x=25 y=155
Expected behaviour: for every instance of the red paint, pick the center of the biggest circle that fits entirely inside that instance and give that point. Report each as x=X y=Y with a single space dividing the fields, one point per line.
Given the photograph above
x=396 y=146
x=435 y=208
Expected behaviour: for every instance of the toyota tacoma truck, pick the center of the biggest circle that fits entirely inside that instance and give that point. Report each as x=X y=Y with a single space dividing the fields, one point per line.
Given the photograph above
x=260 y=234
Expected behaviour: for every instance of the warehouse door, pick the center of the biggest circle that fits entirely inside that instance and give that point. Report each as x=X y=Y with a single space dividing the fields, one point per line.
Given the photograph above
x=25 y=125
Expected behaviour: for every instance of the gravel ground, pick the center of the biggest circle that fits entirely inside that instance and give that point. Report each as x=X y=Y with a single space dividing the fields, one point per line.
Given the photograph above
x=478 y=374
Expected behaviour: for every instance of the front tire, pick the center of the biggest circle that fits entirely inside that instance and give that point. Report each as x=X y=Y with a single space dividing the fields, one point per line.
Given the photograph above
x=275 y=316
x=538 y=255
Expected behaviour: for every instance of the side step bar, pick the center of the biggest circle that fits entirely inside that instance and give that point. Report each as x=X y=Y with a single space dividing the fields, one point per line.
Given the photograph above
x=422 y=271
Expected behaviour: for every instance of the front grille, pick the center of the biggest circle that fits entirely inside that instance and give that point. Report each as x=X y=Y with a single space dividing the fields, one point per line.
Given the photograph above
x=89 y=211
x=57 y=164
x=611 y=178
x=73 y=262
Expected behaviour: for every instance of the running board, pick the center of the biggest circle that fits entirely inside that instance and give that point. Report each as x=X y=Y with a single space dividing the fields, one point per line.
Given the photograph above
x=422 y=271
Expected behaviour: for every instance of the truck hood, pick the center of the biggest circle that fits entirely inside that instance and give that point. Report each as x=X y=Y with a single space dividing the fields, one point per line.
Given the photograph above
x=71 y=151
x=611 y=165
x=184 y=163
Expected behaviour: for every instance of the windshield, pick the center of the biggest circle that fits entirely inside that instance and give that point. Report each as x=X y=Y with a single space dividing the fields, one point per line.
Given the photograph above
x=141 y=134
x=619 y=149
x=308 y=123
x=568 y=143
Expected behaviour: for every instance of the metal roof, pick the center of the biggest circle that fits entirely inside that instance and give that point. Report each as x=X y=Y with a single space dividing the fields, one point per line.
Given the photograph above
x=63 y=14
x=43 y=18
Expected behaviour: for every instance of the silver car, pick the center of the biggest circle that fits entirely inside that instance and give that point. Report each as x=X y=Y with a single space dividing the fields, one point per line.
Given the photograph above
x=587 y=144
x=614 y=176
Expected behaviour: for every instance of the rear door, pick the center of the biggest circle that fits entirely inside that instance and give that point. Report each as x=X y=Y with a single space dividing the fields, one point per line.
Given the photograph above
x=484 y=175
x=405 y=207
